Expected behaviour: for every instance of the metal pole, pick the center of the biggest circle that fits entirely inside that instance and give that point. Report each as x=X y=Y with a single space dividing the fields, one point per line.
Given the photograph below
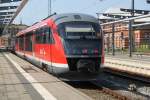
x=108 y=43
x=130 y=38
x=49 y=7
x=132 y=6
x=132 y=21
x=113 y=39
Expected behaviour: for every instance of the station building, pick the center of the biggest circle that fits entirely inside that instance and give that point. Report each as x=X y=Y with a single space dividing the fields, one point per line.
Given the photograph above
x=141 y=36
x=9 y=38
x=3 y=42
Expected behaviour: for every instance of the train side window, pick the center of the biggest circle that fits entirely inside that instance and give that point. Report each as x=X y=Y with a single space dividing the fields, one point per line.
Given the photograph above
x=48 y=33
x=38 y=36
x=43 y=35
x=21 y=42
x=28 y=41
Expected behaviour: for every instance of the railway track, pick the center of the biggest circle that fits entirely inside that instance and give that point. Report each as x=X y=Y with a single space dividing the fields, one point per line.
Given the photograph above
x=97 y=92
x=113 y=93
x=114 y=87
x=126 y=74
x=138 y=86
x=107 y=87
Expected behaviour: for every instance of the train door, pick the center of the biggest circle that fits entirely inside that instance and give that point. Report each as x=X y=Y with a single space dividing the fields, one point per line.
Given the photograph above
x=33 y=43
x=47 y=47
x=38 y=44
x=17 y=44
x=21 y=43
x=29 y=43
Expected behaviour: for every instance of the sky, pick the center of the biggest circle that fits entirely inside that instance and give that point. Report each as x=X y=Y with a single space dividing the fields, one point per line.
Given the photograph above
x=36 y=10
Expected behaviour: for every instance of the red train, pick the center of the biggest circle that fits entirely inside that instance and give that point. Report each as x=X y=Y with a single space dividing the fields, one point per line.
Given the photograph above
x=63 y=43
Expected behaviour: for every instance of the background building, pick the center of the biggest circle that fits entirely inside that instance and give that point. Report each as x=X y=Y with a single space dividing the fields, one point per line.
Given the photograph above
x=141 y=36
x=9 y=38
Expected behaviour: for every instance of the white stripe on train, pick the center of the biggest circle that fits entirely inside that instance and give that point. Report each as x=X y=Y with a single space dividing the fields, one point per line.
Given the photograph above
x=41 y=60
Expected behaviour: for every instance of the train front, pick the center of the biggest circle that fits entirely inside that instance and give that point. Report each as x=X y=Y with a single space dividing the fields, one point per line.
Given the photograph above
x=83 y=43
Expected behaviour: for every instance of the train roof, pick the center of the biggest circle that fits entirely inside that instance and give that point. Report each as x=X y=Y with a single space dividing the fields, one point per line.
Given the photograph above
x=61 y=18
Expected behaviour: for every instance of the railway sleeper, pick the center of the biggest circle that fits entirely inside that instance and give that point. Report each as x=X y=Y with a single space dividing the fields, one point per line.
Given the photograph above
x=114 y=94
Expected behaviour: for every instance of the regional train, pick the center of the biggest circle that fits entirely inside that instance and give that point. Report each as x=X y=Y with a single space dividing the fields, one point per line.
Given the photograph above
x=63 y=43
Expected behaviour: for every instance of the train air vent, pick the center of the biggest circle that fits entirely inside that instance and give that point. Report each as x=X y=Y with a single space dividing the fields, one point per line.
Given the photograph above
x=77 y=16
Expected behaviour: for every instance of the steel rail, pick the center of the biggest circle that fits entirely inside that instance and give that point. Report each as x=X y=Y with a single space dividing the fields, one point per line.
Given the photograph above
x=111 y=92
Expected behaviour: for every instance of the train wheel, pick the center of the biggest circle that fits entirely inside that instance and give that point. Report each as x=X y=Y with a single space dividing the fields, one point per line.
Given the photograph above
x=44 y=67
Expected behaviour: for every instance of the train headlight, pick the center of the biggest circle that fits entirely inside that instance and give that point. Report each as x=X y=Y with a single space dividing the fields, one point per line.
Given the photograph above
x=96 y=51
x=84 y=51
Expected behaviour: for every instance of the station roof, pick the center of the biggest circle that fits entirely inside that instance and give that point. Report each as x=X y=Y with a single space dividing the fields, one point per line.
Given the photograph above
x=8 y=1
x=9 y=9
x=114 y=13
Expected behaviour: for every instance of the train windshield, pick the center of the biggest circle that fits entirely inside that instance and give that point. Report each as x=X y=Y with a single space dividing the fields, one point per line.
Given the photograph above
x=78 y=30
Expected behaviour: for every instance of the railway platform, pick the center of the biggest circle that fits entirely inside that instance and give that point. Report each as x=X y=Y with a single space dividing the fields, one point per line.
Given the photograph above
x=20 y=80
x=139 y=65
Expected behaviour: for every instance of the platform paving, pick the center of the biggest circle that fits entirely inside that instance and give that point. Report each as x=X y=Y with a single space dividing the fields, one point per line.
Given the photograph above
x=135 y=64
x=21 y=80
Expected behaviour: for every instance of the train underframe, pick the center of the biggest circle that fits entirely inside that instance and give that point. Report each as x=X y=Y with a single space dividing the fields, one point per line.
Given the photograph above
x=78 y=68
x=85 y=65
